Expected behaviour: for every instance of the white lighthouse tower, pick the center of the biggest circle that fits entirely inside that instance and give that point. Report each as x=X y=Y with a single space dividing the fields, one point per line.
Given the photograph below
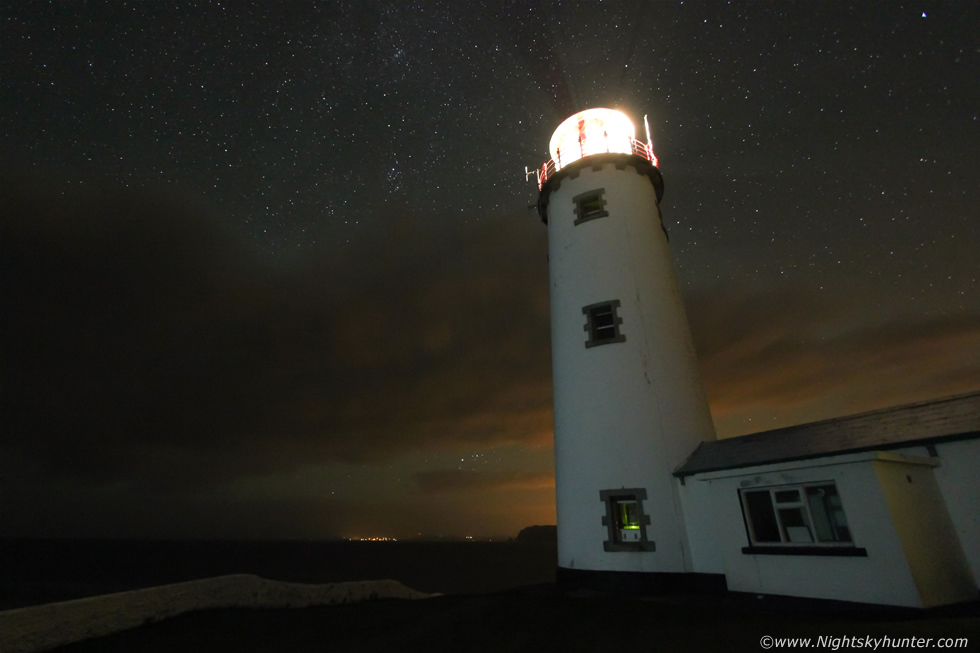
x=629 y=405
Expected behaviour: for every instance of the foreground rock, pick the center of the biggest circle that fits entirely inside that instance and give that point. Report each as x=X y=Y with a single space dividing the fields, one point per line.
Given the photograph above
x=44 y=627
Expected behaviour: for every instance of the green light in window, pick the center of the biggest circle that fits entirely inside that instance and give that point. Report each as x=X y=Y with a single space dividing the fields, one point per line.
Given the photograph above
x=628 y=515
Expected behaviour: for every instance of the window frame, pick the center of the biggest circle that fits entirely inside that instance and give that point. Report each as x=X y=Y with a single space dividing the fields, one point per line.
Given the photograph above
x=580 y=200
x=591 y=329
x=785 y=545
x=613 y=499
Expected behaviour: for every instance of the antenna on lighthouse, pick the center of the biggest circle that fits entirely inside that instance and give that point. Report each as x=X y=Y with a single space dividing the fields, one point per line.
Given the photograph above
x=646 y=124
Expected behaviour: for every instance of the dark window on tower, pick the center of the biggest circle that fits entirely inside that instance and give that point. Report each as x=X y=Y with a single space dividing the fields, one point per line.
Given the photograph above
x=590 y=205
x=625 y=522
x=602 y=323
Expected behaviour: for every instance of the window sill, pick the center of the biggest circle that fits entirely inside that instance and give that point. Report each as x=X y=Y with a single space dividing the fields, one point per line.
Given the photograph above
x=840 y=551
x=621 y=547
x=594 y=216
x=605 y=341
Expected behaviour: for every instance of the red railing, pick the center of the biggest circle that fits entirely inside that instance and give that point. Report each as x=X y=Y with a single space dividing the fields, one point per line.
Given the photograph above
x=549 y=168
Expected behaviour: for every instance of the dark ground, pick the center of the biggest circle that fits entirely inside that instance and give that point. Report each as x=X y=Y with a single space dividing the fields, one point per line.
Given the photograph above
x=42 y=571
x=499 y=597
x=536 y=619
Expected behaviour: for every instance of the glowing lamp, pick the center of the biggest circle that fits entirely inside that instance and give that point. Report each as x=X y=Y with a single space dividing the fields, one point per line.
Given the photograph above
x=594 y=131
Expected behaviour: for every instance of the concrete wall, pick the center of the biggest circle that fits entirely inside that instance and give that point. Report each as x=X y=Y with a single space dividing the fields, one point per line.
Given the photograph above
x=882 y=577
x=957 y=478
x=626 y=413
x=702 y=531
x=932 y=548
x=44 y=627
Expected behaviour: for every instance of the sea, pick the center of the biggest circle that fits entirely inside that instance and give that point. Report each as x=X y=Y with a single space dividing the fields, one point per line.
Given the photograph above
x=38 y=571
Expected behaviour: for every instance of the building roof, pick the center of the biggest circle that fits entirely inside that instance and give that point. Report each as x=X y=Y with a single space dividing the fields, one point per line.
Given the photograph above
x=927 y=422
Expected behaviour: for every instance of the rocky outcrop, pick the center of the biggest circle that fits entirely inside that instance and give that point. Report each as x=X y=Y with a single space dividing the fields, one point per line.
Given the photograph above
x=44 y=627
x=538 y=534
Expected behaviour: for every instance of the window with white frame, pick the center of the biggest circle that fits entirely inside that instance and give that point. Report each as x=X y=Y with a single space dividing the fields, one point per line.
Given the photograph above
x=808 y=515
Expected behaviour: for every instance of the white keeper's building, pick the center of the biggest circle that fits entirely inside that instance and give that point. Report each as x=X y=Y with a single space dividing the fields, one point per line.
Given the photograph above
x=880 y=507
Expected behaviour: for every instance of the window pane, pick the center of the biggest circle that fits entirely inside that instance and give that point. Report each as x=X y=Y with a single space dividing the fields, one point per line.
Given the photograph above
x=787 y=496
x=627 y=514
x=602 y=317
x=795 y=527
x=761 y=516
x=590 y=206
x=829 y=521
x=602 y=321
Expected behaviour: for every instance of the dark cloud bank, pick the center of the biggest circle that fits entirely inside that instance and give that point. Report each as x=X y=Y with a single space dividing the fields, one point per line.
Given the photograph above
x=791 y=356
x=139 y=325
x=148 y=348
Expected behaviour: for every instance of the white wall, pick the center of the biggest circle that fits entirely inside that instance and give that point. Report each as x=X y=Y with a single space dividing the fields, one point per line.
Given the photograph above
x=699 y=520
x=882 y=577
x=958 y=478
x=626 y=413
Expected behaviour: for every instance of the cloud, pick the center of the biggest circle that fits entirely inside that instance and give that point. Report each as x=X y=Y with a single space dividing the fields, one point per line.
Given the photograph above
x=455 y=481
x=791 y=356
x=156 y=347
x=157 y=351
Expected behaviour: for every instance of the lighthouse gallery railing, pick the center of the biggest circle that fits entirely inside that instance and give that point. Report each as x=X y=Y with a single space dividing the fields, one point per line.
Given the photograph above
x=549 y=168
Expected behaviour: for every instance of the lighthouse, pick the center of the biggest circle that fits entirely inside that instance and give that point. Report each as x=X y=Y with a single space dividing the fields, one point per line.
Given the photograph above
x=628 y=401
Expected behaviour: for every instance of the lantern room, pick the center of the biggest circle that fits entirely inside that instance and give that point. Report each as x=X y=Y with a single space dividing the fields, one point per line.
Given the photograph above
x=589 y=132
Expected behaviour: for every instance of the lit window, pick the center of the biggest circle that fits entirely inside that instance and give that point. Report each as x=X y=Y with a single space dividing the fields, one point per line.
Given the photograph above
x=627 y=520
x=602 y=323
x=625 y=523
x=590 y=205
x=801 y=515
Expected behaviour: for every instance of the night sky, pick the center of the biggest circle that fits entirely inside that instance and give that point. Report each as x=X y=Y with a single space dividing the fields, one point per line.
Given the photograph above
x=269 y=271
